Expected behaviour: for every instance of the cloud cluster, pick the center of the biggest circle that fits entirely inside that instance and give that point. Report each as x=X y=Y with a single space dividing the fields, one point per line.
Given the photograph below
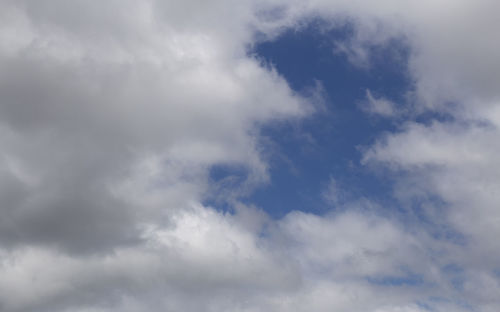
x=112 y=114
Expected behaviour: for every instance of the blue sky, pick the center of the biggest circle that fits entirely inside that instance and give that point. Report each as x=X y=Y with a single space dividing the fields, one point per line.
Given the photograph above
x=328 y=145
x=252 y=155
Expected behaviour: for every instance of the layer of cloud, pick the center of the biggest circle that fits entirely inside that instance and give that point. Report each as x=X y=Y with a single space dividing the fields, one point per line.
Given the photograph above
x=112 y=114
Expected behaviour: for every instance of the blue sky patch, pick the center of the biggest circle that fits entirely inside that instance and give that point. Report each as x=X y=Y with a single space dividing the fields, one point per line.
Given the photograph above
x=306 y=155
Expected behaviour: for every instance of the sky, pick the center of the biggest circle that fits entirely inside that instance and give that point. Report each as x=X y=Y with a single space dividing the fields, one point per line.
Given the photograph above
x=252 y=155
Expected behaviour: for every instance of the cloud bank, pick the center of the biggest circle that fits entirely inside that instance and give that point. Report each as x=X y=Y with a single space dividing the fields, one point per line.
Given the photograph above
x=113 y=113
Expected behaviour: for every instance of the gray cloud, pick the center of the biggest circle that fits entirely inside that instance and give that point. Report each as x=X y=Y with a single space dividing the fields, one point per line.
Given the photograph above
x=112 y=114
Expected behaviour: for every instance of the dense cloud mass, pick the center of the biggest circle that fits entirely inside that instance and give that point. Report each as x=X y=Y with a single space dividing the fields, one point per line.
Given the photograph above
x=112 y=114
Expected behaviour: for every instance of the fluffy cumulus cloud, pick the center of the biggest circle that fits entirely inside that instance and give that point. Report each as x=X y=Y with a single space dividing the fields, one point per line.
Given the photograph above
x=113 y=113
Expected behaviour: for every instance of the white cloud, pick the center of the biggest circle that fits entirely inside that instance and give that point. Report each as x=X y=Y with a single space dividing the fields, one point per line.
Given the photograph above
x=112 y=114
x=87 y=98
x=378 y=106
x=458 y=164
x=205 y=260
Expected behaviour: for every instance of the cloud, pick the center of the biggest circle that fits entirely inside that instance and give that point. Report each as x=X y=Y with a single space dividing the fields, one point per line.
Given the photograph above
x=457 y=164
x=88 y=99
x=112 y=115
x=378 y=106
x=208 y=261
